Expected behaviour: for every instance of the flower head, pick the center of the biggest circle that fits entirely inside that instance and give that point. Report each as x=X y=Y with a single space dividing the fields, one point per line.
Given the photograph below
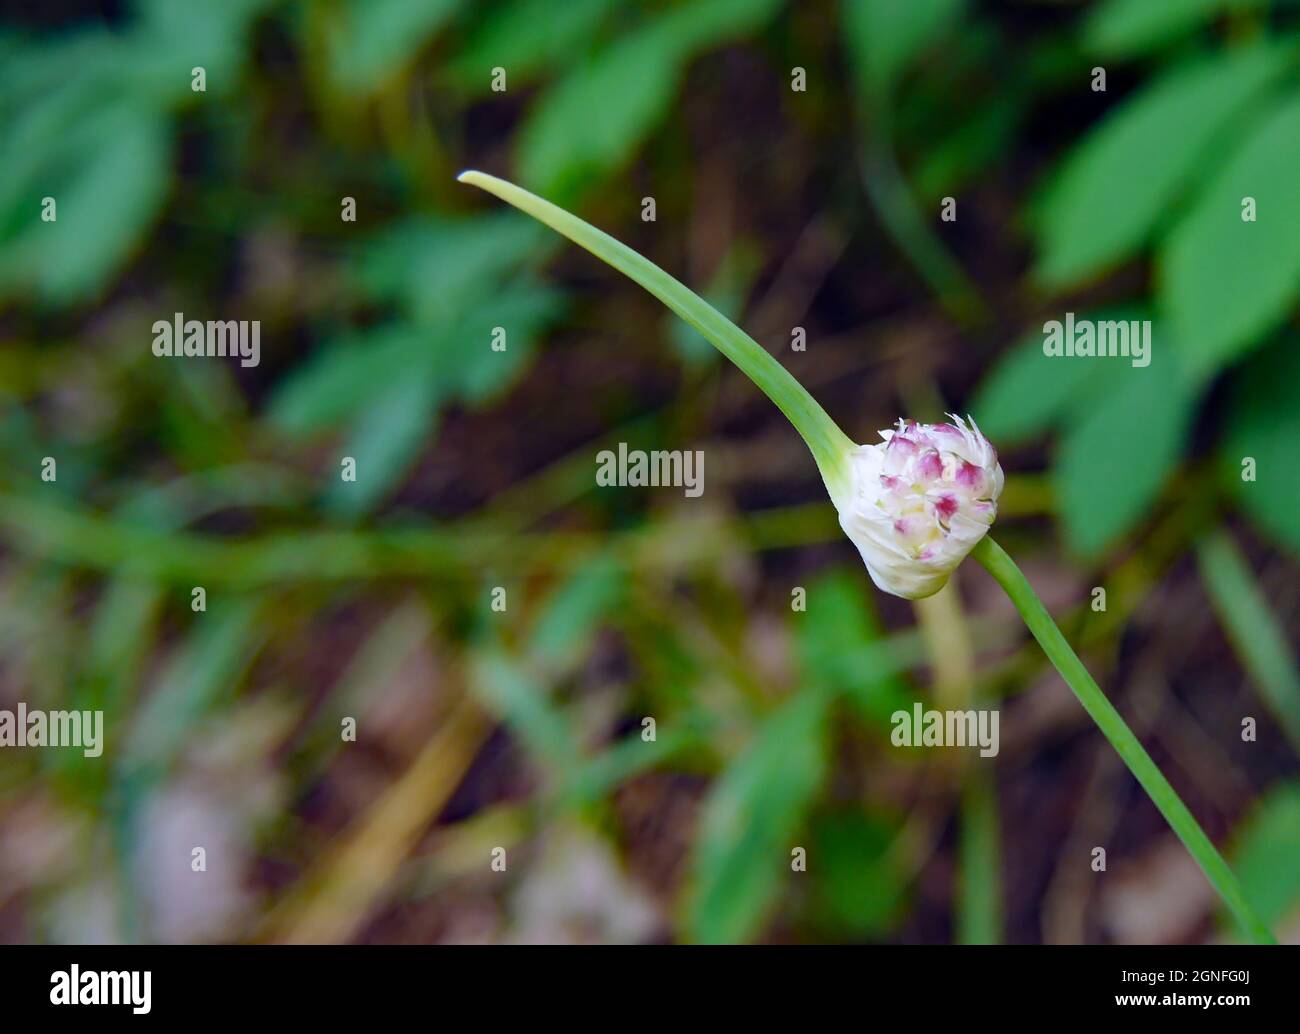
x=919 y=501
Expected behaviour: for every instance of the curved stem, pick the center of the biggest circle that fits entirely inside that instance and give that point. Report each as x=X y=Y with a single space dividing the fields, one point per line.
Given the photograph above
x=1040 y=623
x=829 y=445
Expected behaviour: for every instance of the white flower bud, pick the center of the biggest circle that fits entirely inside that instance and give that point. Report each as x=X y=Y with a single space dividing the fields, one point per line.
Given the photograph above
x=919 y=501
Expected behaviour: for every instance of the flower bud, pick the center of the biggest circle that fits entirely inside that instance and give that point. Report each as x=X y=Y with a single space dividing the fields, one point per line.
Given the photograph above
x=919 y=501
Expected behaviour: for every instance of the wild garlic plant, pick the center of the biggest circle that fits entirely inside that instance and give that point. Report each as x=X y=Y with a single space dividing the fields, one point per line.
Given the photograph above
x=915 y=504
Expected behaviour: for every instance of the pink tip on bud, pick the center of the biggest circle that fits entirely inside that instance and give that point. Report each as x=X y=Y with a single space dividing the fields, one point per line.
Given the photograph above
x=924 y=496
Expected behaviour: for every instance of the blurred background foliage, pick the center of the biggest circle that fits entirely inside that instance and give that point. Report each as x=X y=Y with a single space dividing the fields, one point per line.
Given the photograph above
x=816 y=208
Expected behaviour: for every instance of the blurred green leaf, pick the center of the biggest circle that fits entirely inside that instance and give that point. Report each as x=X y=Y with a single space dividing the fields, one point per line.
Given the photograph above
x=695 y=27
x=524 y=704
x=84 y=120
x=121 y=636
x=435 y=269
x=1227 y=282
x=1265 y=854
x=575 y=609
x=591 y=121
x=1027 y=391
x=354 y=372
x=884 y=36
x=1252 y=628
x=169 y=40
x=452 y=282
x=1110 y=192
x=1264 y=424
x=508 y=37
x=390 y=384
x=108 y=177
x=373 y=40
x=839 y=622
x=344 y=377
x=858 y=888
x=1118 y=453
x=1122 y=28
x=749 y=821
x=598 y=776
x=955 y=158
x=470 y=369
x=384 y=440
x=200 y=674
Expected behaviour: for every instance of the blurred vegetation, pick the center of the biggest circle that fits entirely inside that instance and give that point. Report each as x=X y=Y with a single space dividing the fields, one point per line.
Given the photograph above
x=815 y=208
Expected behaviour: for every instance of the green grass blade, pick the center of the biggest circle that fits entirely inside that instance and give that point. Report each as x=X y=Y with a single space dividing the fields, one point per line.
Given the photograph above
x=1252 y=628
x=828 y=443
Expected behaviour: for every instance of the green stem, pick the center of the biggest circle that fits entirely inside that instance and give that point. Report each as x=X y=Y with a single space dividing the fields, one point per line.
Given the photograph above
x=979 y=912
x=1040 y=623
x=829 y=445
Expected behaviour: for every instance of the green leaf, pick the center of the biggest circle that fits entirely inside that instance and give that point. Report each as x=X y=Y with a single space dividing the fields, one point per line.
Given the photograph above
x=1227 y=282
x=508 y=37
x=198 y=676
x=384 y=441
x=390 y=382
x=375 y=39
x=748 y=823
x=829 y=445
x=837 y=625
x=956 y=157
x=345 y=377
x=470 y=370
x=1116 y=456
x=108 y=178
x=1108 y=195
x=590 y=123
x=451 y=280
x=1266 y=854
x=1122 y=28
x=1252 y=627
x=511 y=691
x=1027 y=392
x=858 y=886
x=436 y=269
x=705 y=24
x=593 y=778
x=171 y=39
x=884 y=36
x=1264 y=425
x=575 y=609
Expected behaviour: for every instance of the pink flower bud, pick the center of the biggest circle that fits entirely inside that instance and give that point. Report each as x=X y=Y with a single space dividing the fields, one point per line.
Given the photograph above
x=919 y=502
